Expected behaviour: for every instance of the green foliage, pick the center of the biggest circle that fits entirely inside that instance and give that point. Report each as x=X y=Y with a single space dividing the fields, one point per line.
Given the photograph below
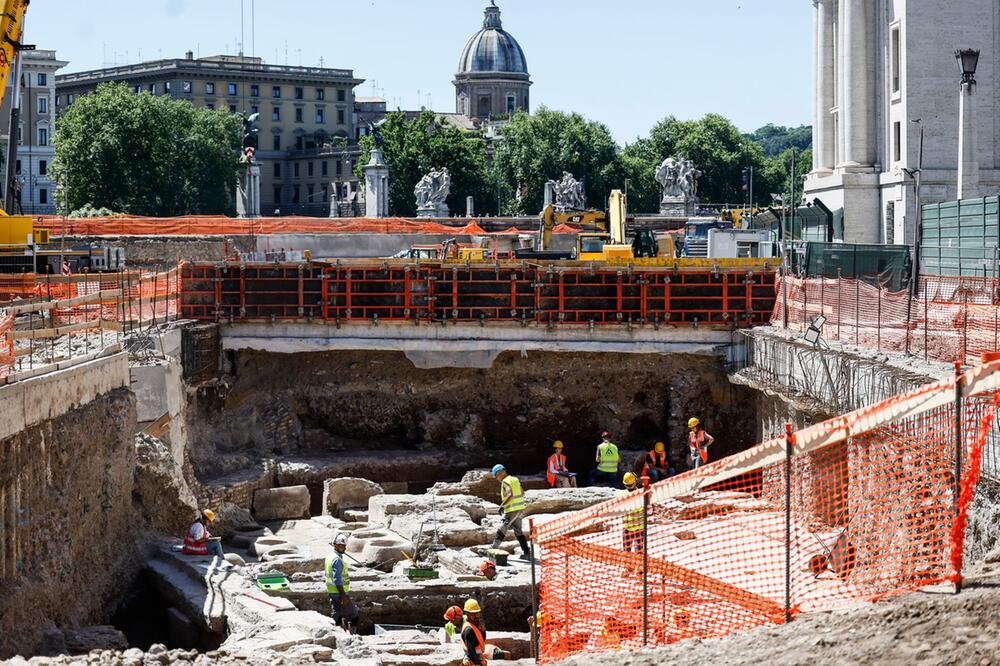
x=146 y=155
x=90 y=211
x=540 y=147
x=412 y=148
x=776 y=139
x=777 y=174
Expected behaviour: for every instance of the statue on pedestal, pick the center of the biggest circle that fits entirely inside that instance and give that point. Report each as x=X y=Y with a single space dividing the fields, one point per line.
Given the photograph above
x=432 y=194
x=248 y=188
x=568 y=193
x=679 y=180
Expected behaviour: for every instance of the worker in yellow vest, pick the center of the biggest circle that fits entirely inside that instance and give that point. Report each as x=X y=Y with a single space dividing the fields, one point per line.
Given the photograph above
x=633 y=520
x=606 y=473
x=338 y=586
x=512 y=507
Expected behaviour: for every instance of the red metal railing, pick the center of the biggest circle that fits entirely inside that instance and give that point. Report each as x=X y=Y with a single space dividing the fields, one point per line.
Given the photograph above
x=461 y=292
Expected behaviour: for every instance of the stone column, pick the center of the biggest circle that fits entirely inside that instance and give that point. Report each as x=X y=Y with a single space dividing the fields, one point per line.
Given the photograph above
x=968 y=163
x=376 y=186
x=857 y=121
x=824 y=150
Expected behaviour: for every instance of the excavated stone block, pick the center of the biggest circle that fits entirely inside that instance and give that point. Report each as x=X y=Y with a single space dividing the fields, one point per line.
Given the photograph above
x=263 y=544
x=348 y=493
x=382 y=508
x=377 y=547
x=561 y=500
x=281 y=503
x=454 y=528
x=395 y=487
x=480 y=483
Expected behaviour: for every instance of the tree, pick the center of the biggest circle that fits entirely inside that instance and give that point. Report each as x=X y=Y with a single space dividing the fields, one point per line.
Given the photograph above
x=777 y=174
x=413 y=147
x=540 y=147
x=146 y=155
x=776 y=139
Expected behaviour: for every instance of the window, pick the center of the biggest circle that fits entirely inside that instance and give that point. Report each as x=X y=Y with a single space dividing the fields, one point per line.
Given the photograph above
x=254 y=109
x=295 y=194
x=20 y=134
x=210 y=106
x=255 y=90
x=299 y=93
x=298 y=115
x=70 y=98
x=295 y=169
x=340 y=116
x=277 y=195
x=43 y=136
x=298 y=144
x=323 y=167
x=17 y=167
x=894 y=56
x=277 y=169
x=167 y=86
x=463 y=104
x=43 y=79
x=43 y=105
x=43 y=196
x=138 y=89
x=324 y=194
x=511 y=103
x=320 y=116
x=43 y=167
x=209 y=88
x=276 y=113
x=231 y=89
x=309 y=169
x=152 y=88
x=341 y=95
x=897 y=140
x=340 y=168
x=311 y=192
x=276 y=92
x=232 y=108
x=277 y=142
x=186 y=87
x=58 y=101
x=320 y=93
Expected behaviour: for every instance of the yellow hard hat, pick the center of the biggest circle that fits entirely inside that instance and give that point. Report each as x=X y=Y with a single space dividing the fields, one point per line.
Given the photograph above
x=693 y=422
x=208 y=513
x=630 y=479
x=472 y=606
x=660 y=448
x=557 y=444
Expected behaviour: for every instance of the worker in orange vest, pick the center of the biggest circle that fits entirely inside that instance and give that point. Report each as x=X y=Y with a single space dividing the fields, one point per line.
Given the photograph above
x=698 y=442
x=657 y=465
x=473 y=635
x=556 y=473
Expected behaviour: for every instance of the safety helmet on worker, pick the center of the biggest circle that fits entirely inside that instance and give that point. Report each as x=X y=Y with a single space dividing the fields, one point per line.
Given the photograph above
x=557 y=444
x=340 y=540
x=605 y=434
x=630 y=479
x=209 y=515
x=453 y=614
x=497 y=469
x=693 y=422
x=472 y=606
x=659 y=448
x=487 y=569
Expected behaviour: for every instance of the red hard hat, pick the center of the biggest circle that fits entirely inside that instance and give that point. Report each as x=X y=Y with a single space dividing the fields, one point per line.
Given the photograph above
x=605 y=434
x=452 y=614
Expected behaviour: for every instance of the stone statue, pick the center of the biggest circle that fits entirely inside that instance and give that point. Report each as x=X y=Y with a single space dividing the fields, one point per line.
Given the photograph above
x=250 y=131
x=679 y=180
x=375 y=129
x=432 y=194
x=569 y=193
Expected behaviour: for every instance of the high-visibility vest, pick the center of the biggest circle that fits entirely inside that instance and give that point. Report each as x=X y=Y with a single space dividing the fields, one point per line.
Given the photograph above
x=632 y=519
x=481 y=640
x=557 y=465
x=607 y=454
x=193 y=545
x=696 y=439
x=511 y=487
x=658 y=460
x=331 y=587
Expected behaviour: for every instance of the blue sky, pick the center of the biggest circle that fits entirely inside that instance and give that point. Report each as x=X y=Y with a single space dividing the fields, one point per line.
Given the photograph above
x=626 y=64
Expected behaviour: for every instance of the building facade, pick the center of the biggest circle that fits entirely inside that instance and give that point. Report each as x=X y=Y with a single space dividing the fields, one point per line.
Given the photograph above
x=307 y=142
x=883 y=70
x=35 y=131
x=492 y=80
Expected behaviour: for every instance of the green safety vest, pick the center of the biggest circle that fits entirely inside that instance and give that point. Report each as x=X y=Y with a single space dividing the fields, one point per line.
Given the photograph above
x=331 y=587
x=511 y=487
x=632 y=519
x=608 y=454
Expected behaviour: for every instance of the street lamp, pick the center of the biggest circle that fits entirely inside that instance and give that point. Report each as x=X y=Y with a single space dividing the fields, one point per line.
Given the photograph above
x=968 y=61
x=968 y=164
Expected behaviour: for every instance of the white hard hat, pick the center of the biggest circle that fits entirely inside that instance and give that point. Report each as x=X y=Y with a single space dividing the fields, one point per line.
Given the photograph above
x=340 y=540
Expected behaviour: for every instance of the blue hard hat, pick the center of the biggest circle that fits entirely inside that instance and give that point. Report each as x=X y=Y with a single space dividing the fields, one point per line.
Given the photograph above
x=498 y=468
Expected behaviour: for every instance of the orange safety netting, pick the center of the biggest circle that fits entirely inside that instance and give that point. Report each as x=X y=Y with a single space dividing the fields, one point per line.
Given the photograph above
x=854 y=509
x=6 y=343
x=202 y=225
x=950 y=318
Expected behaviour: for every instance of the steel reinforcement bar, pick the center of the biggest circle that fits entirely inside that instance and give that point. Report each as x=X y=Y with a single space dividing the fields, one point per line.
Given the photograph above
x=526 y=293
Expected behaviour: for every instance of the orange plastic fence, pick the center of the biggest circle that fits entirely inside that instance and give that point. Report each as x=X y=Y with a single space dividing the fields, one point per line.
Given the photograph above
x=221 y=225
x=950 y=317
x=6 y=343
x=853 y=509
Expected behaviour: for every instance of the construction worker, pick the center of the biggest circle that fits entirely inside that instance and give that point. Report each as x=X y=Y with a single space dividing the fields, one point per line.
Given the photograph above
x=473 y=635
x=698 y=442
x=556 y=473
x=338 y=586
x=606 y=473
x=454 y=623
x=487 y=569
x=512 y=507
x=657 y=465
x=633 y=521
x=198 y=541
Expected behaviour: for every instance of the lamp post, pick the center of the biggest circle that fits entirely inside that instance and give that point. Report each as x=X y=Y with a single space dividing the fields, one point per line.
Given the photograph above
x=968 y=165
x=919 y=226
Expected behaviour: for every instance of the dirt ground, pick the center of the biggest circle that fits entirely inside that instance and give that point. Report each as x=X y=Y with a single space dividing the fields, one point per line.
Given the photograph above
x=927 y=627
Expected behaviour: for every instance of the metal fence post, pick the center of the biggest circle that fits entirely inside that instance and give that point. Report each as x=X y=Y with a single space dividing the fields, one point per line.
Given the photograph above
x=878 y=320
x=965 y=327
x=645 y=560
x=958 y=452
x=857 y=311
x=927 y=322
x=789 y=441
x=839 y=312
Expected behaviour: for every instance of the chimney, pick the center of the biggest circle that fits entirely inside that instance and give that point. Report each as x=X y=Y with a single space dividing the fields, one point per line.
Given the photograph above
x=189 y=55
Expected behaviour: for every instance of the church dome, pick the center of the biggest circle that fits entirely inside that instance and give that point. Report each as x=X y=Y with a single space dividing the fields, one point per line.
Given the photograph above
x=492 y=49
